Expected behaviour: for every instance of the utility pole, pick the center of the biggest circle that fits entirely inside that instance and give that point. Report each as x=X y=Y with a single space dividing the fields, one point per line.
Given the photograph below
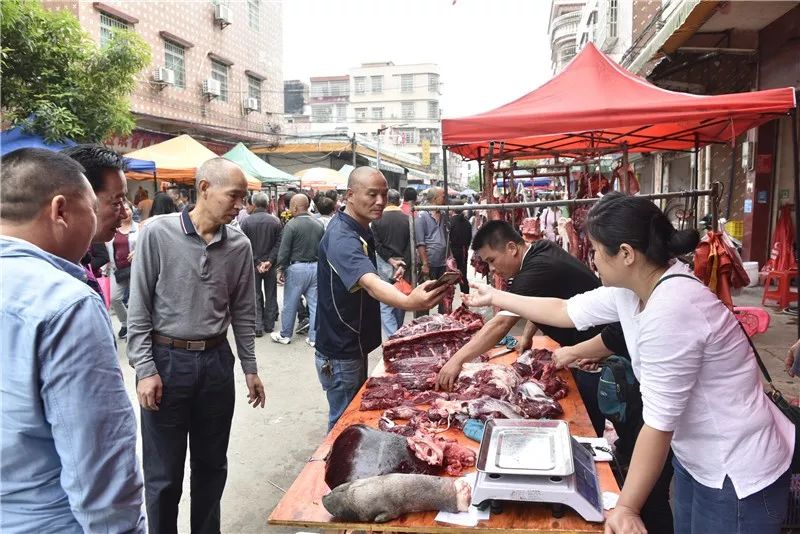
x=378 y=151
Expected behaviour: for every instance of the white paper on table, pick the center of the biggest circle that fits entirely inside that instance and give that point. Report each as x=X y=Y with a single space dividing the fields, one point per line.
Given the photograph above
x=610 y=500
x=597 y=443
x=469 y=518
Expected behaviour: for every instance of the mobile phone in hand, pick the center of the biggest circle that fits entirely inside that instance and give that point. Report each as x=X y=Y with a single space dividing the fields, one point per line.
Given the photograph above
x=448 y=278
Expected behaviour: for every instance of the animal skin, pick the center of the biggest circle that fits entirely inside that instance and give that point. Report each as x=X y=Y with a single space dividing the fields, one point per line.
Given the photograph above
x=383 y=498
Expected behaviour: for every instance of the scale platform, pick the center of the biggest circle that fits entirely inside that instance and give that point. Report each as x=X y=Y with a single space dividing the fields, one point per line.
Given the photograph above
x=536 y=461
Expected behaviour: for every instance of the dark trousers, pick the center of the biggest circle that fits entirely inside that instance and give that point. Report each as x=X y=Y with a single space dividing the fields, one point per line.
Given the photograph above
x=197 y=402
x=266 y=299
x=460 y=253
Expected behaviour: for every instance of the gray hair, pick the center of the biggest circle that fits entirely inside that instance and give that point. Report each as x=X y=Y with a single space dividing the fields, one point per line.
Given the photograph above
x=393 y=197
x=215 y=172
x=30 y=179
x=260 y=200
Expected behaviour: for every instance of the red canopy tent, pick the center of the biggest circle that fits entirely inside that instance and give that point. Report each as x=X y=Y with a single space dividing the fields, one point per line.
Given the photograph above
x=595 y=105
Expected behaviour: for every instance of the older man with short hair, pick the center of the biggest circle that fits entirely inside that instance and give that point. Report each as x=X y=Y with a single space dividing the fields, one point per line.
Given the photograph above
x=192 y=279
x=264 y=231
x=68 y=447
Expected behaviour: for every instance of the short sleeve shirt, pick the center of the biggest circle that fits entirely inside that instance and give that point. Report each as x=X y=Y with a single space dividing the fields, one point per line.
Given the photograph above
x=348 y=318
x=548 y=271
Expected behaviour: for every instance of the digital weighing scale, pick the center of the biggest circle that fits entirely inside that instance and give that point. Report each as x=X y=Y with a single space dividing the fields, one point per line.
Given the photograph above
x=536 y=461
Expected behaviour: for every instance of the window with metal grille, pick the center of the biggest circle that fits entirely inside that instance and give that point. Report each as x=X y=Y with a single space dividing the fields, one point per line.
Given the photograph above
x=320 y=113
x=433 y=83
x=361 y=85
x=254 y=89
x=433 y=109
x=376 y=84
x=253 y=12
x=341 y=112
x=406 y=83
x=219 y=72
x=175 y=60
x=361 y=114
x=612 y=18
x=407 y=110
x=377 y=113
x=108 y=23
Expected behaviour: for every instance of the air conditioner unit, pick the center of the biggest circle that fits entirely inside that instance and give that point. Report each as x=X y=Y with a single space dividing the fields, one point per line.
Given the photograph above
x=164 y=75
x=251 y=104
x=212 y=87
x=222 y=14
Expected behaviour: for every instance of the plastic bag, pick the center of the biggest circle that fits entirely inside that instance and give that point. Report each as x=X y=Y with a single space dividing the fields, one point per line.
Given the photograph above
x=403 y=286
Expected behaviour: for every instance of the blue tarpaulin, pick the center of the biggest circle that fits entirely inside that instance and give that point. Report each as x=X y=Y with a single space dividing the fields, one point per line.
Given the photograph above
x=15 y=138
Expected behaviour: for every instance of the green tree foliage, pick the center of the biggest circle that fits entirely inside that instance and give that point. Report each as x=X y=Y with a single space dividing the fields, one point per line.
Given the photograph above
x=57 y=82
x=474 y=182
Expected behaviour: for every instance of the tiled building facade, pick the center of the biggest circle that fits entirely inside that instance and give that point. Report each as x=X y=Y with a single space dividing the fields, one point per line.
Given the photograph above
x=242 y=51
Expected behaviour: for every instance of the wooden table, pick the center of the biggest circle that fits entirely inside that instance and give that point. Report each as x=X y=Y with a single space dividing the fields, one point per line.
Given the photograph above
x=302 y=504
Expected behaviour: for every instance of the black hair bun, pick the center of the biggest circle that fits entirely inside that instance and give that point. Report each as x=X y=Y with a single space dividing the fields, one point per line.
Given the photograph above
x=683 y=241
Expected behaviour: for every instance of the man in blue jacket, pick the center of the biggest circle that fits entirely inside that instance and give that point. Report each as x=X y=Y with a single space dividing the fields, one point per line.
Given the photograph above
x=68 y=440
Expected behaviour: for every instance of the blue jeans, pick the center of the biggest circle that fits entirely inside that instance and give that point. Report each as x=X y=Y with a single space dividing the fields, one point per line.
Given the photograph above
x=391 y=319
x=340 y=384
x=301 y=279
x=699 y=509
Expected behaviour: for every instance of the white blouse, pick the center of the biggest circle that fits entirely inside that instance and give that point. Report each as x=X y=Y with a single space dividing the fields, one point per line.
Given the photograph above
x=699 y=379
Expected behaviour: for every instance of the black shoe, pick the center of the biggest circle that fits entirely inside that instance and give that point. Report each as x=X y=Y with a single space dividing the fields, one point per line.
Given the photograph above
x=302 y=327
x=259 y=333
x=123 y=332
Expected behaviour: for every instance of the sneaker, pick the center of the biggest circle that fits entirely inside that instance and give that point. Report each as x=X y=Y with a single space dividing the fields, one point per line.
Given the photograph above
x=123 y=332
x=259 y=333
x=302 y=327
x=278 y=338
x=310 y=343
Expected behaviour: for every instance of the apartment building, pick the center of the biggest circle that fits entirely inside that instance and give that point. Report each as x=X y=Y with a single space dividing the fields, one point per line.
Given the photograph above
x=330 y=96
x=562 y=28
x=396 y=106
x=216 y=72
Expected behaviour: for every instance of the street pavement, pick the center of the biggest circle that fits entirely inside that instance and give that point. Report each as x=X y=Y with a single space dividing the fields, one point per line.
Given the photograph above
x=270 y=446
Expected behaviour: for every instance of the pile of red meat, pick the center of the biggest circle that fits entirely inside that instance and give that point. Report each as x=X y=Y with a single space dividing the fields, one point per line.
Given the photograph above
x=528 y=388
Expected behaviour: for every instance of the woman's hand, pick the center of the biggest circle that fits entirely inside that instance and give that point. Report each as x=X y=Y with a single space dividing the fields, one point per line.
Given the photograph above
x=480 y=296
x=563 y=356
x=623 y=520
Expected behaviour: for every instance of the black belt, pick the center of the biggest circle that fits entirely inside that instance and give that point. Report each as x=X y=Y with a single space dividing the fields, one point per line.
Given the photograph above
x=198 y=345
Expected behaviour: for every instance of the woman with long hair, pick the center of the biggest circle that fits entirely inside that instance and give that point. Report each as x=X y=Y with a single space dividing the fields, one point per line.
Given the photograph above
x=700 y=383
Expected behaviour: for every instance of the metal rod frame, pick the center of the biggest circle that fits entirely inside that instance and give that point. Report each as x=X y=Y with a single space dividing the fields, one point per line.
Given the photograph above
x=571 y=202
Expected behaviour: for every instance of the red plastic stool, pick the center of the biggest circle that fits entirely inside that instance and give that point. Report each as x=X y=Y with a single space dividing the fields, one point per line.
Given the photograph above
x=754 y=320
x=783 y=293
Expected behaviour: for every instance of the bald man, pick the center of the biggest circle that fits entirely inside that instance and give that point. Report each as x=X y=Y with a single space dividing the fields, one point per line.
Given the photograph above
x=192 y=279
x=350 y=290
x=297 y=267
x=68 y=451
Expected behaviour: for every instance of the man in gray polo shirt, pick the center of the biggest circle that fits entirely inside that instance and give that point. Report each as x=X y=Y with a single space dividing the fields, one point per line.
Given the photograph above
x=192 y=279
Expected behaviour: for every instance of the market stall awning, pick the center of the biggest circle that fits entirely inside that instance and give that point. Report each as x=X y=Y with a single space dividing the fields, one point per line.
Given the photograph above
x=257 y=167
x=15 y=138
x=177 y=160
x=594 y=105
x=321 y=178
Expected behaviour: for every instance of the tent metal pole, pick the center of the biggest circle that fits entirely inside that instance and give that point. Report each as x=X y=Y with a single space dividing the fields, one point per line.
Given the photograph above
x=731 y=178
x=695 y=175
x=353 y=148
x=624 y=173
x=714 y=205
x=796 y=156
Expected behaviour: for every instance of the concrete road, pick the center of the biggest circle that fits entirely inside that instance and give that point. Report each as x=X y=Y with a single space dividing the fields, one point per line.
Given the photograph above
x=269 y=447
